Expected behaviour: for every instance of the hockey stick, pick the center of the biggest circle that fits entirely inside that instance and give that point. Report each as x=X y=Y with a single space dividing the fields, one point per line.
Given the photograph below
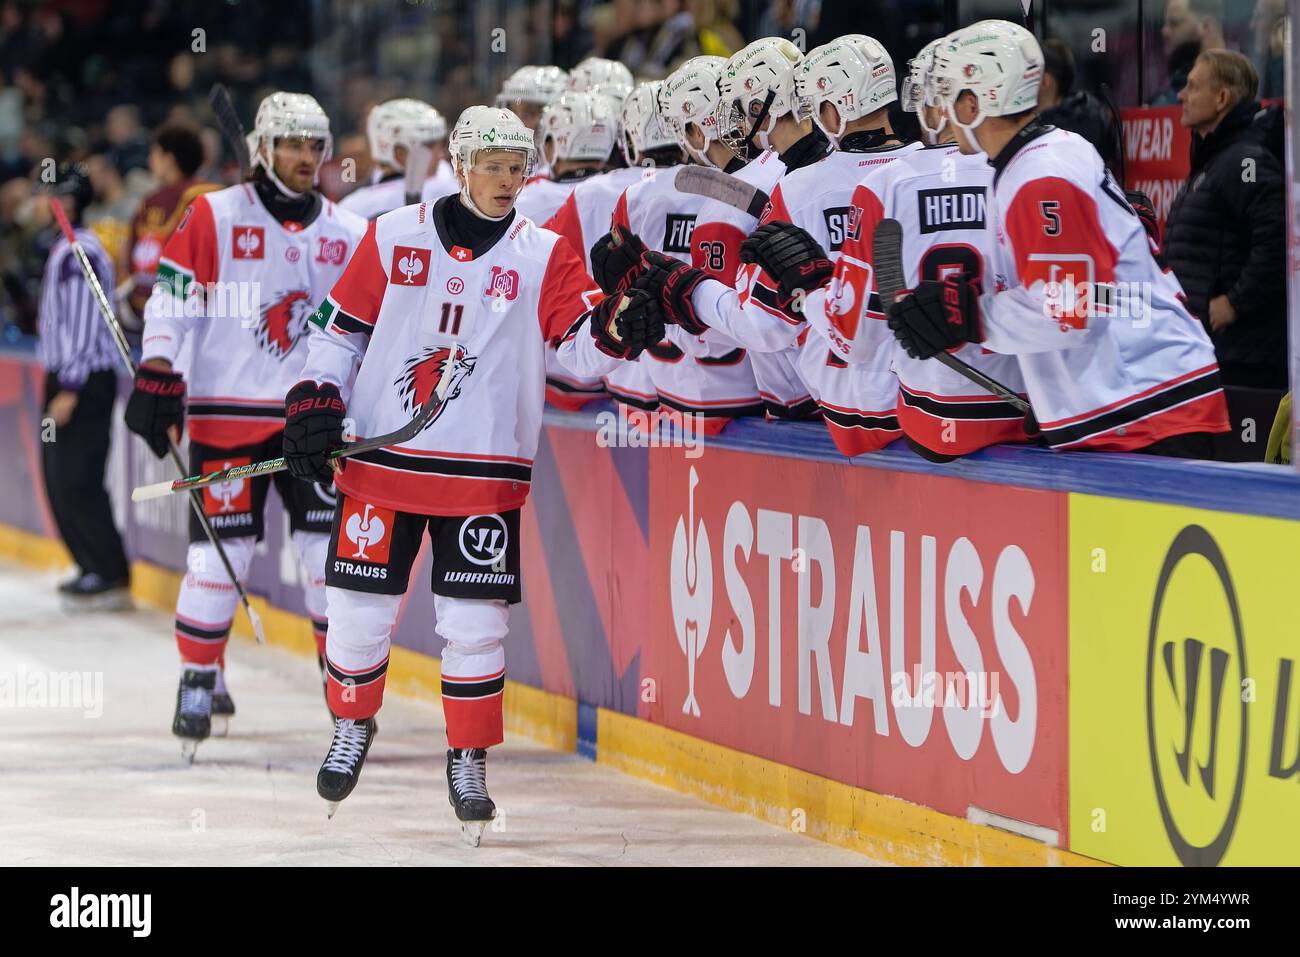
x=887 y=251
x=418 y=158
x=231 y=128
x=726 y=189
x=196 y=503
x=428 y=412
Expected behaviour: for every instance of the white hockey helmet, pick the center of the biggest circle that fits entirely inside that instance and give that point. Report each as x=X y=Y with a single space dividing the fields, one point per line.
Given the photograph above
x=578 y=126
x=757 y=83
x=644 y=128
x=532 y=84
x=405 y=123
x=610 y=75
x=488 y=128
x=287 y=114
x=919 y=88
x=1000 y=62
x=690 y=95
x=854 y=73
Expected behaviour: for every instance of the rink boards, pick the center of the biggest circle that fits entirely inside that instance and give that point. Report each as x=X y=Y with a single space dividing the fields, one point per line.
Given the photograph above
x=1024 y=657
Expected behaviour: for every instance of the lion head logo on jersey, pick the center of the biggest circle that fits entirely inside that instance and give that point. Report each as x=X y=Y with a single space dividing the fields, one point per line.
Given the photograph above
x=284 y=322
x=423 y=375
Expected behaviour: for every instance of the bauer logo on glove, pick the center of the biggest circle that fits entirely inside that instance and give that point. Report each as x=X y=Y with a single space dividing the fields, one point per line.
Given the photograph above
x=937 y=315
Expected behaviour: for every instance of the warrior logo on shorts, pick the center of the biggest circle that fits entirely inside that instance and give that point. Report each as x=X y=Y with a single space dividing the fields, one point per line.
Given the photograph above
x=423 y=374
x=284 y=322
x=483 y=539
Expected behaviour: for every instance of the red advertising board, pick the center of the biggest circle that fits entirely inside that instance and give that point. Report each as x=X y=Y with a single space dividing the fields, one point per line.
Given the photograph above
x=905 y=634
x=1157 y=153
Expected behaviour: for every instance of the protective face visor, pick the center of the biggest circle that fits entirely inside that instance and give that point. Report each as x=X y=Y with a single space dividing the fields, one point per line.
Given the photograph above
x=739 y=129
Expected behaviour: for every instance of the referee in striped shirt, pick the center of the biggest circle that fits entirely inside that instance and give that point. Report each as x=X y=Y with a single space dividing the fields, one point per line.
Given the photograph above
x=77 y=351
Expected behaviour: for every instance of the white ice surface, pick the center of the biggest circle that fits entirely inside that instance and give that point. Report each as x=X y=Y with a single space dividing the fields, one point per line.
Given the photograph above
x=111 y=790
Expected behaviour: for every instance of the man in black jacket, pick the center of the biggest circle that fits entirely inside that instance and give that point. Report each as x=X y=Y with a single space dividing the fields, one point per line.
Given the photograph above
x=1225 y=237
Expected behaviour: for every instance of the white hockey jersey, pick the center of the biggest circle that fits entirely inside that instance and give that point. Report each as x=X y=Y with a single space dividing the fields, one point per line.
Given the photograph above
x=720 y=385
x=442 y=183
x=1111 y=356
x=240 y=287
x=939 y=197
x=382 y=196
x=414 y=307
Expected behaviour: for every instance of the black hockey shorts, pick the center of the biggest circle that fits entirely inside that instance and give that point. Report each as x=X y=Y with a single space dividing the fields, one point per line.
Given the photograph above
x=235 y=508
x=373 y=548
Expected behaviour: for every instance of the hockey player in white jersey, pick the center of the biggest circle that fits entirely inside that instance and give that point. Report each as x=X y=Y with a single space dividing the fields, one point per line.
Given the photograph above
x=490 y=287
x=1111 y=357
x=653 y=214
x=938 y=196
x=278 y=242
x=599 y=75
x=396 y=131
x=646 y=145
x=758 y=115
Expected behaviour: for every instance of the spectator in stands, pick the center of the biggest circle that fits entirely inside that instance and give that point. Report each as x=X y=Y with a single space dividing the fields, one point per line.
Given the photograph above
x=1190 y=26
x=1076 y=110
x=175 y=156
x=128 y=142
x=1225 y=237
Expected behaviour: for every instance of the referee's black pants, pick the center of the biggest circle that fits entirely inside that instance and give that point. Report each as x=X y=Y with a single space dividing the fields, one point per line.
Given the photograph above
x=74 y=477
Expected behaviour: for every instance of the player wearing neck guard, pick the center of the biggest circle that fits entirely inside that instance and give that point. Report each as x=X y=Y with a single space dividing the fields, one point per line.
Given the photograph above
x=1110 y=356
x=399 y=132
x=490 y=288
x=938 y=196
x=855 y=75
x=647 y=144
x=232 y=360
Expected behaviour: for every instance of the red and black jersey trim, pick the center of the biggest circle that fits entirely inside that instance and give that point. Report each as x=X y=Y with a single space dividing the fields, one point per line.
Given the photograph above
x=805 y=408
x=712 y=411
x=473 y=688
x=199 y=410
x=860 y=420
x=346 y=322
x=574 y=388
x=769 y=300
x=1143 y=407
x=644 y=403
x=973 y=411
x=434 y=465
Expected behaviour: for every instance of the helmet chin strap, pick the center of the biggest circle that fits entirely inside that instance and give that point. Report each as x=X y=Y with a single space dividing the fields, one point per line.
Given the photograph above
x=270 y=174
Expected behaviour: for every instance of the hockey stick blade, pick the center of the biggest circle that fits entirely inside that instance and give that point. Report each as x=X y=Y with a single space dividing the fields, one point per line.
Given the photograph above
x=726 y=189
x=458 y=365
x=224 y=110
x=887 y=251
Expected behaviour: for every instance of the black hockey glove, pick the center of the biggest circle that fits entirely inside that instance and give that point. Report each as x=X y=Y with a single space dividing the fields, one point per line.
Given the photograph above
x=626 y=323
x=313 y=427
x=937 y=316
x=616 y=260
x=790 y=255
x=157 y=403
x=671 y=282
x=1146 y=211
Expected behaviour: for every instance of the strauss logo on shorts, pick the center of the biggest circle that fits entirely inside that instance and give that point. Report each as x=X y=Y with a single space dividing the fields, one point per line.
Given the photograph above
x=844 y=650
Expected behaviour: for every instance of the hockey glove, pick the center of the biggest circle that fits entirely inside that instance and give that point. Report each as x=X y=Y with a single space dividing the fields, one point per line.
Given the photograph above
x=790 y=255
x=616 y=260
x=157 y=403
x=313 y=427
x=937 y=316
x=626 y=323
x=671 y=282
x=1146 y=211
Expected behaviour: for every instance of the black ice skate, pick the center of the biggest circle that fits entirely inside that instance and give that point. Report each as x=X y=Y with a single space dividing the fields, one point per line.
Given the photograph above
x=342 y=768
x=223 y=707
x=467 y=792
x=193 y=720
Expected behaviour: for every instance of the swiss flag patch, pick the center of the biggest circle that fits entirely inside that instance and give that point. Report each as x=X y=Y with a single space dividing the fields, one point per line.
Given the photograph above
x=461 y=254
x=248 y=242
x=410 y=266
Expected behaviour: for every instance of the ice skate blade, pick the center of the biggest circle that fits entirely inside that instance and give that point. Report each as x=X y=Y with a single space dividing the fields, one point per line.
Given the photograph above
x=220 y=725
x=330 y=808
x=471 y=832
x=188 y=747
